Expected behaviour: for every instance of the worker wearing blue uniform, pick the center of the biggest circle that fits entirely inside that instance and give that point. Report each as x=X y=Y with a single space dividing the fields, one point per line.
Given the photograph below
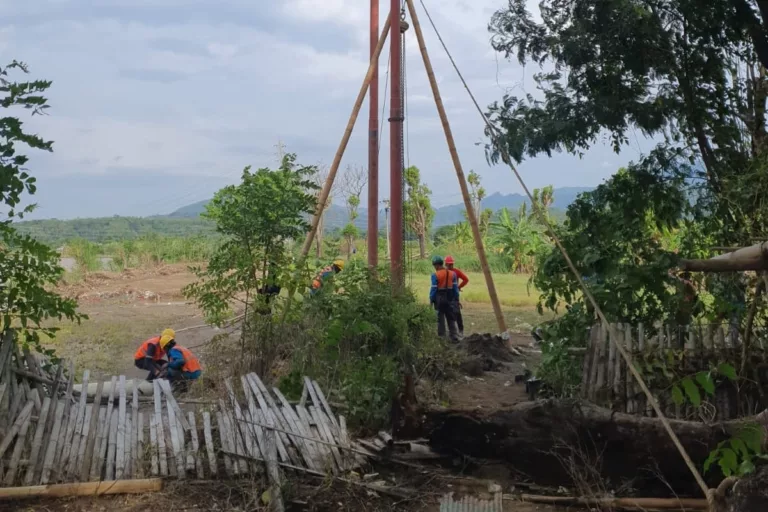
x=442 y=294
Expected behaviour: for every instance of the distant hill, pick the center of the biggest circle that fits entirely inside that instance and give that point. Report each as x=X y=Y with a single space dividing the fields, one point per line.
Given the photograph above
x=186 y=221
x=336 y=217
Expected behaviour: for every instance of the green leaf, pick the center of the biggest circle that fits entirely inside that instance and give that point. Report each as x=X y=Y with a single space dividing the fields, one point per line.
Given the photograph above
x=677 y=395
x=692 y=391
x=746 y=467
x=705 y=381
x=728 y=462
x=739 y=446
x=713 y=455
x=753 y=436
x=727 y=370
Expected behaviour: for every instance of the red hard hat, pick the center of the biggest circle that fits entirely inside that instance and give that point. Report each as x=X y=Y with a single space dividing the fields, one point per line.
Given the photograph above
x=449 y=260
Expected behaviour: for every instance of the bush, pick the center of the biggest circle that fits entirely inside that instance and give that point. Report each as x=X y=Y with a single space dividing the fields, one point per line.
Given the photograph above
x=358 y=339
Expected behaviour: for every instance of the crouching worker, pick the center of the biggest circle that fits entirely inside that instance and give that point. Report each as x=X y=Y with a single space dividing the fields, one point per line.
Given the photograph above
x=183 y=366
x=150 y=354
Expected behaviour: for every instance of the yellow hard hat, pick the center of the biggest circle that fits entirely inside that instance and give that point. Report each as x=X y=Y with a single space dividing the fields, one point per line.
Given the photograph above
x=166 y=337
x=339 y=263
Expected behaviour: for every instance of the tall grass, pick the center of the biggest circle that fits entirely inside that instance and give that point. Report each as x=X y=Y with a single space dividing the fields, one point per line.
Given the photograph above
x=85 y=253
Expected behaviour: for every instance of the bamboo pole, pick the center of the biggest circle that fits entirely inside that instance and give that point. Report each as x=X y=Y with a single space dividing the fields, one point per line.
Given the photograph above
x=471 y=214
x=621 y=503
x=83 y=489
x=326 y=190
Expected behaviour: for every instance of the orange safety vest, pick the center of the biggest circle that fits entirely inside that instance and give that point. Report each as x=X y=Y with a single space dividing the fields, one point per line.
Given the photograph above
x=445 y=279
x=191 y=364
x=141 y=353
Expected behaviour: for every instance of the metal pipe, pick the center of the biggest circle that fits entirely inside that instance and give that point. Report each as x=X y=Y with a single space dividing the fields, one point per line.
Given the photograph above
x=396 y=149
x=373 y=146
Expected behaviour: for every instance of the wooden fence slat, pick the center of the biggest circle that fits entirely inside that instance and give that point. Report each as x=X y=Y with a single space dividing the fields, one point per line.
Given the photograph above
x=16 y=427
x=128 y=472
x=140 y=448
x=207 y=435
x=93 y=430
x=77 y=458
x=258 y=445
x=154 y=468
x=67 y=444
x=134 y=461
x=196 y=446
x=74 y=448
x=174 y=432
x=165 y=386
x=325 y=433
x=303 y=445
x=50 y=452
x=97 y=464
x=112 y=447
x=224 y=438
x=35 y=460
x=120 y=441
x=21 y=439
x=161 y=448
x=602 y=361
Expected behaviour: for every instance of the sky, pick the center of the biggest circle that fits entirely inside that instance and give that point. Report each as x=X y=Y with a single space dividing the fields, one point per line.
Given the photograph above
x=157 y=104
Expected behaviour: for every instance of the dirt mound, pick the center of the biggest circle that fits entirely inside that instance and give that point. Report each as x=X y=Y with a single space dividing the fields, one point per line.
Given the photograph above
x=488 y=346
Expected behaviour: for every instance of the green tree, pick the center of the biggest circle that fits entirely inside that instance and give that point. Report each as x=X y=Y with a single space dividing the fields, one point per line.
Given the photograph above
x=477 y=194
x=353 y=183
x=542 y=199
x=28 y=269
x=614 y=237
x=687 y=72
x=256 y=217
x=419 y=213
x=519 y=239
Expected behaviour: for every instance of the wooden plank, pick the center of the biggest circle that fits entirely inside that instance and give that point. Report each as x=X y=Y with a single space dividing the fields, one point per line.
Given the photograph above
x=72 y=449
x=602 y=362
x=102 y=437
x=175 y=444
x=631 y=387
x=128 y=471
x=325 y=459
x=21 y=439
x=209 y=448
x=120 y=440
x=325 y=431
x=141 y=449
x=273 y=472
x=240 y=465
x=311 y=391
x=65 y=441
x=249 y=396
x=112 y=447
x=57 y=382
x=154 y=468
x=268 y=418
x=586 y=372
x=16 y=427
x=306 y=450
x=86 y=461
x=304 y=395
x=161 y=446
x=242 y=428
x=196 y=446
x=76 y=457
x=83 y=489
x=34 y=368
x=135 y=429
x=50 y=452
x=326 y=407
x=166 y=387
x=224 y=438
x=611 y=369
x=35 y=461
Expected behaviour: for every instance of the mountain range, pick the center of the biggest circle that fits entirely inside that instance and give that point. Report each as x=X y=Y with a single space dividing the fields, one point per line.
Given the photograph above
x=336 y=216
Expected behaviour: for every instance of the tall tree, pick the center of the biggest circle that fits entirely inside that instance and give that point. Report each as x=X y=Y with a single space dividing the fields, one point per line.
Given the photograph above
x=28 y=269
x=256 y=217
x=419 y=213
x=477 y=194
x=687 y=72
x=353 y=183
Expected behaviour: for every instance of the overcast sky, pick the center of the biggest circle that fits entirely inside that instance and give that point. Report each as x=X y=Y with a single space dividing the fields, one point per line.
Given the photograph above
x=156 y=104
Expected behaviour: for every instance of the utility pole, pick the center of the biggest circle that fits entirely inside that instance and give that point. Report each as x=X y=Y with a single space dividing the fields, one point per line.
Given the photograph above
x=373 y=147
x=396 y=149
x=280 y=152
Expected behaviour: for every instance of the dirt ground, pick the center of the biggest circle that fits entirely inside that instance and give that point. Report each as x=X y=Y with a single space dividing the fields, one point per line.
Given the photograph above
x=126 y=308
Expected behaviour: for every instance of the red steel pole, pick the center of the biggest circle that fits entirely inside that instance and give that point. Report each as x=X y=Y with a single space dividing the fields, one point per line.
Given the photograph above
x=396 y=149
x=373 y=147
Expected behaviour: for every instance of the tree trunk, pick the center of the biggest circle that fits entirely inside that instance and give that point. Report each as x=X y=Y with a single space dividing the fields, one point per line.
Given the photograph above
x=422 y=246
x=559 y=442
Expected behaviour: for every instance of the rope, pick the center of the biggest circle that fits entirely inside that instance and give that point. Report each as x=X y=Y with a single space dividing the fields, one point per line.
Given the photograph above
x=495 y=140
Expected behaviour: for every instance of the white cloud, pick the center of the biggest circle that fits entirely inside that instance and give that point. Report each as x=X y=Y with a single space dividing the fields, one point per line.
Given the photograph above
x=175 y=88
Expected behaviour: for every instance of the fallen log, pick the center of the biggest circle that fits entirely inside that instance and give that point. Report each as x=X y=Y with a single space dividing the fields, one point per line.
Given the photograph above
x=746 y=494
x=82 y=489
x=546 y=440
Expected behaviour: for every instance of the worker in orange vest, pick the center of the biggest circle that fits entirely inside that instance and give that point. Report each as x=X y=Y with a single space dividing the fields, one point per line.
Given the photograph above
x=329 y=271
x=183 y=366
x=442 y=294
x=463 y=281
x=149 y=355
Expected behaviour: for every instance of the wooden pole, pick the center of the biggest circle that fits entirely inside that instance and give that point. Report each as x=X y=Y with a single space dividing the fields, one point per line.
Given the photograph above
x=621 y=503
x=373 y=145
x=471 y=214
x=754 y=258
x=83 y=489
x=372 y=67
